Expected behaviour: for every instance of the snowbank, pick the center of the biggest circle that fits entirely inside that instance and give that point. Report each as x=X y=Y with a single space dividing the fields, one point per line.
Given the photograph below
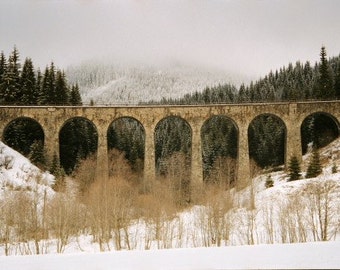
x=321 y=255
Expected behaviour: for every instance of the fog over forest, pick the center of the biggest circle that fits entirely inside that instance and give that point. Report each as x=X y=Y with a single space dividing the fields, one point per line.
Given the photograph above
x=251 y=37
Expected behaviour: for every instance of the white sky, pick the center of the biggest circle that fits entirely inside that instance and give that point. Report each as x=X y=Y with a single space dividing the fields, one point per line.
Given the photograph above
x=247 y=36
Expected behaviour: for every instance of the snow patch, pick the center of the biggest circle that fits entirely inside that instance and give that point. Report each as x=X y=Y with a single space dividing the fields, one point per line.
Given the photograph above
x=18 y=173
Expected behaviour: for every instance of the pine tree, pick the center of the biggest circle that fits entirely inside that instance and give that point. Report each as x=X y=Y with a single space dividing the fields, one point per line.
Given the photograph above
x=294 y=169
x=10 y=86
x=243 y=94
x=308 y=75
x=28 y=84
x=38 y=89
x=75 y=98
x=59 y=174
x=314 y=167
x=337 y=82
x=37 y=155
x=51 y=85
x=43 y=98
x=324 y=88
x=3 y=65
x=48 y=93
x=61 y=89
x=269 y=182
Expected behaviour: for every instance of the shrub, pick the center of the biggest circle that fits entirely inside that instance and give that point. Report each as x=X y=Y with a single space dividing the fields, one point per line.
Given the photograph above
x=269 y=182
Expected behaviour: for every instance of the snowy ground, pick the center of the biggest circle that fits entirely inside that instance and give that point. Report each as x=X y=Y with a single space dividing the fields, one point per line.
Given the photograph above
x=317 y=255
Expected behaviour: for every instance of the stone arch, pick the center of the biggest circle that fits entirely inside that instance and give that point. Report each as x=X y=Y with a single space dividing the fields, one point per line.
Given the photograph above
x=267 y=139
x=127 y=135
x=78 y=139
x=219 y=136
x=30 y=131
x=321 y=128
x=173 y=141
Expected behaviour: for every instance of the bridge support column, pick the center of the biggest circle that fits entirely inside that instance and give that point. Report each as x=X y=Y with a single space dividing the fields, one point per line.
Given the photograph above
x=51 y=143
x=102 y=169
x=293 y=143
x=243 y=167
x=149 y=155
x=293 y=147
x=196 y=156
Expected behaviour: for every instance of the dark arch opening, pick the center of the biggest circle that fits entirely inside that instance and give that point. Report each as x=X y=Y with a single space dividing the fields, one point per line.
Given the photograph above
x=127 y=135
x=219 y=137
x=173 y=137
x=22 y=133
x=78 y=140
x=320 y=129
x=267 y=139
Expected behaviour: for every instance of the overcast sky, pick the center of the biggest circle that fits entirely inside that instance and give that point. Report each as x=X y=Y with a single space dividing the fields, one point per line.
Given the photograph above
x=247 y=36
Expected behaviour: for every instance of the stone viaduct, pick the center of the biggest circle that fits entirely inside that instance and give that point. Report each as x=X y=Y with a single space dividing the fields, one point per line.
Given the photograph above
x=52 y=119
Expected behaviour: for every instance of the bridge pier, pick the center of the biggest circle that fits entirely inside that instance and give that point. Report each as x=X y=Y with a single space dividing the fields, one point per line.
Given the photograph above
x=243 y=163
x=102 y=168
x=149 y=154
x=196 y=156
x=51 y=145
x=293 y=136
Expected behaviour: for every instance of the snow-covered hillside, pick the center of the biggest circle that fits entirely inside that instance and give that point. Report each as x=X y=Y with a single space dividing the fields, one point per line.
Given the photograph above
x=256 y=227
x=131 y=84
x=18 y=173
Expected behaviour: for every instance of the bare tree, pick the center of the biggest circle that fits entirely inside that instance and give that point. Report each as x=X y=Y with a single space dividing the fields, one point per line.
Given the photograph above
x=64 y=219
x=6 y=223
x=323 y=211
x=177 y=177
x=158 y=209
x=215 y=218
x=223 y=172
x=85 y=173
x=111 y=206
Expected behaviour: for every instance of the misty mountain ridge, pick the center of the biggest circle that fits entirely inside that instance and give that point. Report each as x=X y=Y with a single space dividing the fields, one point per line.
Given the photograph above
x=126 y=83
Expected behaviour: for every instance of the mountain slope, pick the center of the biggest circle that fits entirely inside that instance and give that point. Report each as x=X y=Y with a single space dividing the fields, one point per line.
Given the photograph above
x=131 y=84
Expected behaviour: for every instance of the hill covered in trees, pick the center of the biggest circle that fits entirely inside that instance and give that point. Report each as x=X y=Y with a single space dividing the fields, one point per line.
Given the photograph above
x=296 y=82
x=133 y=83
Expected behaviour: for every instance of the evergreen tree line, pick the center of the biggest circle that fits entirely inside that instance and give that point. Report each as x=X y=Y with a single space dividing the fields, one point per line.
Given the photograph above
x=297 y=82
x=23 y=85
